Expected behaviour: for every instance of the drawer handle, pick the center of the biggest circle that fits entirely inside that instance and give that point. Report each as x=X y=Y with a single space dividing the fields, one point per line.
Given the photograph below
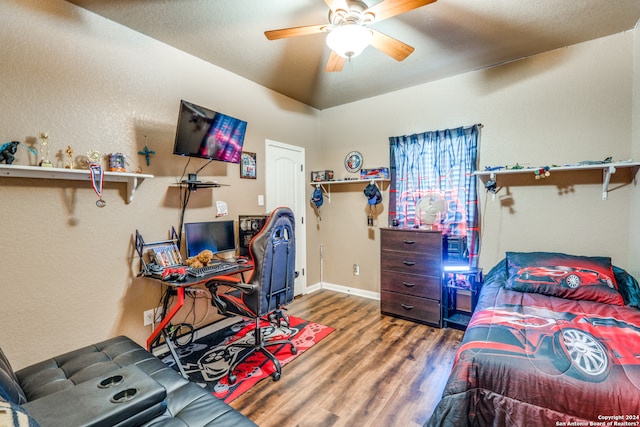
x=407 y=307
x=408 y=262
x=408 y=285
x=409 y=242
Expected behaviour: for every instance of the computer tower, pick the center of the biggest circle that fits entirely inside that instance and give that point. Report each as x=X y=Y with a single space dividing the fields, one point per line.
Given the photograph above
x=455 y=249
x=248 y=226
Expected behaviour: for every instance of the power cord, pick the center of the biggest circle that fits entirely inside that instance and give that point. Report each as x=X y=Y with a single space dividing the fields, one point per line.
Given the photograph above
x=180 y=334
x=197 y=293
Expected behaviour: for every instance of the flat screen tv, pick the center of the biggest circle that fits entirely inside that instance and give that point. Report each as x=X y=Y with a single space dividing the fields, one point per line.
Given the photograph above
x=208 y=134
x=217 y=236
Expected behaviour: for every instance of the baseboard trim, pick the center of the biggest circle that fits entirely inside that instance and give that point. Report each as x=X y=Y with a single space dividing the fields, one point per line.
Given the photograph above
x=343 y=289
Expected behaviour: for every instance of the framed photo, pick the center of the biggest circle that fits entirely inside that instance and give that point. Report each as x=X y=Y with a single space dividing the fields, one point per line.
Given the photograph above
x=248 y=165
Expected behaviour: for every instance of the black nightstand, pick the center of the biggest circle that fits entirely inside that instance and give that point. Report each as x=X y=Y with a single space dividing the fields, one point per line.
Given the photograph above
x=460 y=289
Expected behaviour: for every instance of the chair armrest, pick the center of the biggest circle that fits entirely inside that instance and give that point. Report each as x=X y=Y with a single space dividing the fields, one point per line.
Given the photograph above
x=233 y=282
x=230 y=281
x=127 y=394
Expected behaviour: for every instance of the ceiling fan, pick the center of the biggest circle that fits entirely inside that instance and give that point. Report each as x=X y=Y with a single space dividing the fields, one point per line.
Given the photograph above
x=349 y=22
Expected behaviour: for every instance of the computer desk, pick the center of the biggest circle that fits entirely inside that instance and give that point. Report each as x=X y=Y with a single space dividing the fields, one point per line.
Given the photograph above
x=178 y=288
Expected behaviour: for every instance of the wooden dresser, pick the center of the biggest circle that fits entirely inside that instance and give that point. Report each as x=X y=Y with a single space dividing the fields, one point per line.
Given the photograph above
x=411 y=274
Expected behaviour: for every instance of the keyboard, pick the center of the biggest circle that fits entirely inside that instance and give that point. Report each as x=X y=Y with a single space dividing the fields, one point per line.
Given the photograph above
x=207 y=270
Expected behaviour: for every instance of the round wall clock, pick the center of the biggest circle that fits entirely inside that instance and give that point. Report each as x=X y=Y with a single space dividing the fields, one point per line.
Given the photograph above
x=353 y=161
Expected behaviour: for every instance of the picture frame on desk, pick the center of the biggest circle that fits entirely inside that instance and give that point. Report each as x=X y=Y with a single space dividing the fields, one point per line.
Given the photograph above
x=248 y=165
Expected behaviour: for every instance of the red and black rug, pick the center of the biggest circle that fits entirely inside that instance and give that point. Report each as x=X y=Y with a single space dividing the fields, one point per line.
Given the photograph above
x=204 y=363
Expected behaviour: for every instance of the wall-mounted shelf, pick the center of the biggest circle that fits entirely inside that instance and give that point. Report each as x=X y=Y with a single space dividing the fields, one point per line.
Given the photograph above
x=193 y=186
x=326 y=185
x=133 y=180
x=608 y=169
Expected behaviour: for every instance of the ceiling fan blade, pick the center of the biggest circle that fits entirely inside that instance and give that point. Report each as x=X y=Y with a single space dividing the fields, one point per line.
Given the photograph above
x=335 y=63
x=295 y=31
x=390 y=46
x=389 y=8
x=337 y=4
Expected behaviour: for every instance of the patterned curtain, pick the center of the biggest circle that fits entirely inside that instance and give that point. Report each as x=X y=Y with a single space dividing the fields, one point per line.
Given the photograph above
x=436 y=169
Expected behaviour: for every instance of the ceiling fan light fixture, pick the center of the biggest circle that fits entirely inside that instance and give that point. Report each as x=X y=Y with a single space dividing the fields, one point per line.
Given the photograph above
x=349 y=40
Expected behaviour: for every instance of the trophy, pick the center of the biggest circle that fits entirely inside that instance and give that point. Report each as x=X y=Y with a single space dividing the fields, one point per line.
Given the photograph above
x=69 y=158
x=44 y=150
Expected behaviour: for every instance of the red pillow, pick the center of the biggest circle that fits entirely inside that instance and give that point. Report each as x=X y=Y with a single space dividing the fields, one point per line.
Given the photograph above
x=564 y=276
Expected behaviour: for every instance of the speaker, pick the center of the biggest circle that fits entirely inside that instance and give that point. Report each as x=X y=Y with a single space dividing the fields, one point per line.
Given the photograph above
x=249 y=226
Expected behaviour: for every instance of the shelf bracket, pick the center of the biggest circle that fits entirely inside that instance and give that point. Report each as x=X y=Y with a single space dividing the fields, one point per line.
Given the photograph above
x=492 y=177
x=606 y=178
x=132 y=185
x=325 y=191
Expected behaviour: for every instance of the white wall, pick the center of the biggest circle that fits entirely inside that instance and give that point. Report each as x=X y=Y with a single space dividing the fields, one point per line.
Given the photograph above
x=559 y=107
x=68 y=267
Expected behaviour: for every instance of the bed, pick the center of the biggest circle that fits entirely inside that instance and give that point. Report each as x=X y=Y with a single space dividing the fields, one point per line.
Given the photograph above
x=554 y=341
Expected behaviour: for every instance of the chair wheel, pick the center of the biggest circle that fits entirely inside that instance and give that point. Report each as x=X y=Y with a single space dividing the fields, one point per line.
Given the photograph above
x=232 y=378
x=275 y=376
x=294 y=350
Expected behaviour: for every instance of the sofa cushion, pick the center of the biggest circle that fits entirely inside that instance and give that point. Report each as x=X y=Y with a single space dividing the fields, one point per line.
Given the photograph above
x=190 y=405
x=75 y=367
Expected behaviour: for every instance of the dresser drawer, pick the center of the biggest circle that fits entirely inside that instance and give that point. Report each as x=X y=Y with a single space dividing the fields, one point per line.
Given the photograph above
x=421 y=261
x=415 y=308
x=411 y=240
x=410 y=284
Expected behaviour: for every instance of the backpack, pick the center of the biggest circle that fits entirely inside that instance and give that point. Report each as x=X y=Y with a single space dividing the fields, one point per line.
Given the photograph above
x=317 y=198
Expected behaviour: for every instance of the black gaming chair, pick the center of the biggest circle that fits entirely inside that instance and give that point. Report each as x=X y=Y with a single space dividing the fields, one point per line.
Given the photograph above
x=270 y=286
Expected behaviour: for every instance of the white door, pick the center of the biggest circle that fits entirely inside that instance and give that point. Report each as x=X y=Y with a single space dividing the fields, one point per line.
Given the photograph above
x=284 y=186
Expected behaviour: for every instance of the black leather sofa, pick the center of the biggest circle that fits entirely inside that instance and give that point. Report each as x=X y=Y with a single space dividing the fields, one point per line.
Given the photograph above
x=113 y=383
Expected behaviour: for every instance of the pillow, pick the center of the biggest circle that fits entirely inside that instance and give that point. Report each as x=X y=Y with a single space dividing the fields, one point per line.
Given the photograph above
x=628 y=287
x=564 y=276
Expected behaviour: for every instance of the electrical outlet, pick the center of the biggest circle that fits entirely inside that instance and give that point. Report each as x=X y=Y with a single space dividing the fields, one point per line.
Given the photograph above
x=149 y=316
x=356 y=270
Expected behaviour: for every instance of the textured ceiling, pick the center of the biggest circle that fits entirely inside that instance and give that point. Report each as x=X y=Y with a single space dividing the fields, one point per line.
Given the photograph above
x=449 y=36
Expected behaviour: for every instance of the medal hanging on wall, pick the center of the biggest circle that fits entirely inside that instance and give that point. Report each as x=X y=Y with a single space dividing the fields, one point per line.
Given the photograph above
x=97 y=178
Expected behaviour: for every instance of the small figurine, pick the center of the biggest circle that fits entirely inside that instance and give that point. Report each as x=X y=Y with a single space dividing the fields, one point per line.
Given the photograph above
x=542 y=172
x=517 y=166
x=69 y=158
x=8 y=150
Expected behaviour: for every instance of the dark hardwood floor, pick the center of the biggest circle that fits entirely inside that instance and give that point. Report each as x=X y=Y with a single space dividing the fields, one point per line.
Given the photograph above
x=373 y=370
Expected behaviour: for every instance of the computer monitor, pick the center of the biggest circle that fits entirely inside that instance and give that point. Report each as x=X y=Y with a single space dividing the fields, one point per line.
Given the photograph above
x=217 y=236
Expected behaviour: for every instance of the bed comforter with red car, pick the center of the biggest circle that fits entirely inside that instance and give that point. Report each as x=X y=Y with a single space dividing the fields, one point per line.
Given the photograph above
x=536 y=354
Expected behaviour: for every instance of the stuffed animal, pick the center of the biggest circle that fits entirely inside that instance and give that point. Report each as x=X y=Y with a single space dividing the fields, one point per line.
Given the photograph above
x=193 y=262
x=200 y=260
